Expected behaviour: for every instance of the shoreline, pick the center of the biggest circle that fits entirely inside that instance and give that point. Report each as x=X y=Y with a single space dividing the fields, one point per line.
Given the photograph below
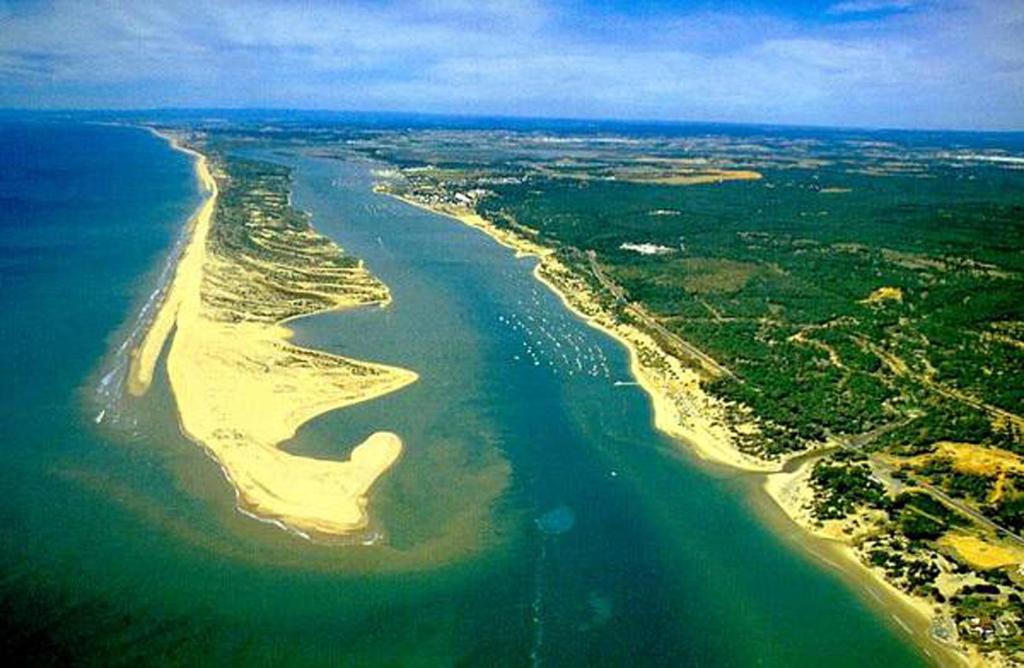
x=785 y=493
x=143 y=358
x=667 y=418
x=704 y=436
x=241 y=388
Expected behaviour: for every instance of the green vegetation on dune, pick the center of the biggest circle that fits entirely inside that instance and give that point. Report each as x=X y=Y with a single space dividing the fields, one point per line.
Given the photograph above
x=281 y=267
x=844 y=483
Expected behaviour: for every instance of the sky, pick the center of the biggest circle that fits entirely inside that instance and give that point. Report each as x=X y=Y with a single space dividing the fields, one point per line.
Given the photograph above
x=951 y=64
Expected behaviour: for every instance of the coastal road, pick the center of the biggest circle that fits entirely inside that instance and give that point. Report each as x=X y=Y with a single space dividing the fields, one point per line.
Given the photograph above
x=884 y=472
x=860 y=440
x=853 y=442
x=683 y=348
x=900 y=368
x=967 y=510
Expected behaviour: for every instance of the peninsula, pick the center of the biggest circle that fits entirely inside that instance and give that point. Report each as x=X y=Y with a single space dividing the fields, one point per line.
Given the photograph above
x=251 y=264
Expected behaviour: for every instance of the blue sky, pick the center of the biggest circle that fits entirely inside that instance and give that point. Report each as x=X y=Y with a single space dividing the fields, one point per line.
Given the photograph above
x=874 y=63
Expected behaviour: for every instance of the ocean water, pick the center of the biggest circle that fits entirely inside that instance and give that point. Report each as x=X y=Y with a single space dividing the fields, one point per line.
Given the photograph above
x=535 y=517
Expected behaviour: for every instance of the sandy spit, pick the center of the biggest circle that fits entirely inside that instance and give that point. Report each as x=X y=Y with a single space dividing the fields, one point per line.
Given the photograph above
x=241 y=389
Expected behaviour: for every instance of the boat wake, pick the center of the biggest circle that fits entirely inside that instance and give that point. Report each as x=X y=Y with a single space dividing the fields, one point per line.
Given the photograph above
x=537 y=606
x=555 y=522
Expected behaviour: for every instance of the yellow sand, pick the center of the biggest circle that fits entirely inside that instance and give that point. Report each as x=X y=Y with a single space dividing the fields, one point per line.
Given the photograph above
x=980 y=553
x=693 y=177
x=884 y=293
x=979 y=459
x=717 y=176
x=1003 y=338
x=242 y=389
x=682 y=409
x=793 y=493
x=976 y=460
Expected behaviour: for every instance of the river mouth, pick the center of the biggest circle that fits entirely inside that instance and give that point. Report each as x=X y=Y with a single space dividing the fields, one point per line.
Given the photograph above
x=592 y=487
x=536 y=515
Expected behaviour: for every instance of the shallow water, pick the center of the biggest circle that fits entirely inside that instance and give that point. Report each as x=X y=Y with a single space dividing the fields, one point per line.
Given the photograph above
x=535 y=516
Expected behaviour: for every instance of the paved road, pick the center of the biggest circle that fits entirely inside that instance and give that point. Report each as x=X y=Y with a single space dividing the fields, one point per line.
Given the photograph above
x=860 y=440
x=885 y=473
x=967 y=510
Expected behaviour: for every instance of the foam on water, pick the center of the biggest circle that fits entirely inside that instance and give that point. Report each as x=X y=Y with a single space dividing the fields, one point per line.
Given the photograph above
x=110 y=390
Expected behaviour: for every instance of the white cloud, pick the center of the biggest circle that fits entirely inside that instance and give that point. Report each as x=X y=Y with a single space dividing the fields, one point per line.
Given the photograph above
x=868 y=6
x=943 y=64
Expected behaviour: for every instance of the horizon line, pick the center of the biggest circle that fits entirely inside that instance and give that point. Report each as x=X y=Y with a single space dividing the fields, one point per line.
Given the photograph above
x=499 y=117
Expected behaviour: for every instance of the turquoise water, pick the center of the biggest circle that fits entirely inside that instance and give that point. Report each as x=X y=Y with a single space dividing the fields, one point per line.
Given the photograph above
x=535 y=516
